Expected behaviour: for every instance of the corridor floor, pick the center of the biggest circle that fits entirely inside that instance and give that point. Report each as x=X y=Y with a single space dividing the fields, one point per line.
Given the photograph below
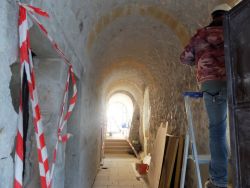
x=117 y=172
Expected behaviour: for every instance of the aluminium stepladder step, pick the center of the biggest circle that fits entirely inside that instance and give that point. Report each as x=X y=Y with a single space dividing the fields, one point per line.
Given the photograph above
x=190 y=142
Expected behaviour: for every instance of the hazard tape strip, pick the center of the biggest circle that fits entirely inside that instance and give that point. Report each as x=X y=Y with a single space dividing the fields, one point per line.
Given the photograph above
x=34 y=10
x=26 y=65
x=19 y=152
x=64 y=118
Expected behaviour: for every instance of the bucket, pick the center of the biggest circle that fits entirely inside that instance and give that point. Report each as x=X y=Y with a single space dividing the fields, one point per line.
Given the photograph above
x=142 y=168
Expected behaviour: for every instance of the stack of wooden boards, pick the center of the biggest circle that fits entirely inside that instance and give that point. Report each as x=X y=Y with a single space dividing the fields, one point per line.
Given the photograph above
x=166 y=162
x=172 y=162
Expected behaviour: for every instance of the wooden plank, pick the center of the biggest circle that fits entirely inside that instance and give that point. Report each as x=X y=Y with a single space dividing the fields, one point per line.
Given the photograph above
x=171 y=158
x=154 y=172
x=179 y=162
x=132 y=147
x=163 y=170
x=169 y=161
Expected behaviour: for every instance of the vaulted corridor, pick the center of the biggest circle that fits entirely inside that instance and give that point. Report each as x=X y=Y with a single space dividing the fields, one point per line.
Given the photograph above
x=122 y=48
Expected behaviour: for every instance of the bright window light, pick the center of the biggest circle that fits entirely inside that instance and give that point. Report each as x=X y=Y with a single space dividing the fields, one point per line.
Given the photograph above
x=119 y=115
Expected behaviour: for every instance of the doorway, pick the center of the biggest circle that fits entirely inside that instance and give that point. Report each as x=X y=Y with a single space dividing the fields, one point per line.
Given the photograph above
x=119 y=116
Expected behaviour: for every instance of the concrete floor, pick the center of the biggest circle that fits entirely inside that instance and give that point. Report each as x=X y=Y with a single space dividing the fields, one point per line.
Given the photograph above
x=117 y=172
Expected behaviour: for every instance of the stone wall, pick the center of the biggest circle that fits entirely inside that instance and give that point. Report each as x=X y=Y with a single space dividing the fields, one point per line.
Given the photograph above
x=83 y=124
x=50 y=87
x=8 y=117
x=134 y=134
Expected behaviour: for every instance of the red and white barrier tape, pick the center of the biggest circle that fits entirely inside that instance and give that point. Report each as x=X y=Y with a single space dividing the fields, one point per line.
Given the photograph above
x=34 y=10
x=26 y=65
x=63 y=119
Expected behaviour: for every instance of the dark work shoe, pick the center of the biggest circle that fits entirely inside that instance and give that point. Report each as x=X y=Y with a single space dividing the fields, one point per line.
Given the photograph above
x=209 y=184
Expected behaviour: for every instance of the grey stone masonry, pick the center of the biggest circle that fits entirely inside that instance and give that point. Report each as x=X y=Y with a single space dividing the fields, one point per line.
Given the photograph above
x=8 y=117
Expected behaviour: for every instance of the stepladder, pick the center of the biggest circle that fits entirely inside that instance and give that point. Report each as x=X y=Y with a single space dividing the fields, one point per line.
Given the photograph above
x=190 y=148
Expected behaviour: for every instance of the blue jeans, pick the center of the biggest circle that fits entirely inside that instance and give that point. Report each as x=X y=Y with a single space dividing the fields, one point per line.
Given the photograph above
x=216 y=107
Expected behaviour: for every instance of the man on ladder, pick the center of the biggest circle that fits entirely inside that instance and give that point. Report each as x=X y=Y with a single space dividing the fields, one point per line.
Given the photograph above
x=206 y=51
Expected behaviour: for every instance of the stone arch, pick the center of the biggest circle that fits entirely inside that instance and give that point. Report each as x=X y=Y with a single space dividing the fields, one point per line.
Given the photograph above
x=126 y=86
x=143 y=10
x=128 y=63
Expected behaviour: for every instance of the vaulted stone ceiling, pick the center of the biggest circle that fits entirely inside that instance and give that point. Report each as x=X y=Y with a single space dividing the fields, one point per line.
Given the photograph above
x=134 y=45
x=131 y=45
x=139 y=42
x=140 y=37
